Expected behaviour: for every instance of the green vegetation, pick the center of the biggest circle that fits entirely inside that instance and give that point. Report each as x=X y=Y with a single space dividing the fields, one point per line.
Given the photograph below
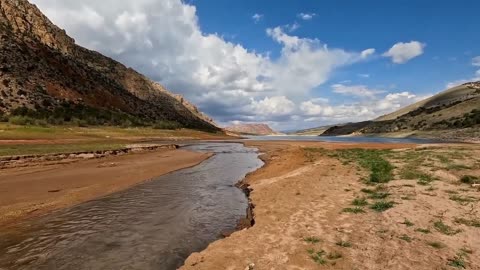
x=444 y=228
x=355 y=210
x=381 y=206
x=25 y=149
x=406 y=238
x=312 y=239
x=435 y=244
x=360 y=202
x=342 y=243
x=317 y=256
x=457 y=262
x=462 y=199
x=469 y=179
x=372 y=160
x=408 y=223
x=468 y=222
x=467 y=120
x=425 y=231
x=379 y=195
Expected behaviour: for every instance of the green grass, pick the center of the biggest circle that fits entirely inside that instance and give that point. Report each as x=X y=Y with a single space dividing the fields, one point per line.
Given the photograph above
x=457 y=262
x=354 y=210
x=468 y=222
x=381 y=206
x=317 y=256
x=311 y=239
x=381 y=171
x=462 y=199
x=379 y=195
x=360 y=202
x=408 y=223
x=424 y=231
x=444 y=228
x=342 y=243
x=36 y=149
x=406 y=238
x=435 y=244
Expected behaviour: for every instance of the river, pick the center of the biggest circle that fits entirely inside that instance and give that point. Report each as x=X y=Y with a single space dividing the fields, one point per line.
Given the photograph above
x=154 y=225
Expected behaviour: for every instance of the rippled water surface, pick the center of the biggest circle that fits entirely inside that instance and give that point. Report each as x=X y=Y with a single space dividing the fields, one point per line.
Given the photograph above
x=155 y=225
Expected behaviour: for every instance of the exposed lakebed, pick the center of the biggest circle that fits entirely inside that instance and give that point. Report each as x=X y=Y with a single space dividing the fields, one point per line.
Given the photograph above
x=154 y=225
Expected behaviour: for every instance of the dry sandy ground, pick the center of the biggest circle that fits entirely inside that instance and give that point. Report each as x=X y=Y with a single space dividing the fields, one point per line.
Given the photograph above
x=299 y=222
x=26 y=192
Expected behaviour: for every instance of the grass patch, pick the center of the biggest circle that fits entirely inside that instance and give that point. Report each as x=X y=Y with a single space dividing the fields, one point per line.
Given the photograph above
x=39 y=149
x=317 y=256
x=462 y=199
x=354 y=210
x=424 y=231
x=381 y=206
x=342 y=243
x=360 y=202
x=457 y=262
x=468 y=222
x=435 y=244
x=444 y=228
x=379 y=195
x=407 y=223
x=372 y=160
x=406 y=238
x=311 y=239
x=469 y=179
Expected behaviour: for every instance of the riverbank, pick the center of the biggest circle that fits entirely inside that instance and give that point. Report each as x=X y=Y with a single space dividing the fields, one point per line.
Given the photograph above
x=319 y=205
x=26 y=192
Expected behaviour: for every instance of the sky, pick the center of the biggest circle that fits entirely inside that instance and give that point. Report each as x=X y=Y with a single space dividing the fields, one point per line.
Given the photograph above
x=290 y=64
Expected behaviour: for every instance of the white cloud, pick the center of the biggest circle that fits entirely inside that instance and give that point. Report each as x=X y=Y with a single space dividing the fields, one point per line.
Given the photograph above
x=355 y=90
x=403 y=52
x=306 y=16
x=363 y=75
x=476 y=61
x=163 y=40
x=365 y=110
x=292 y=27
x=366 y=53
x=257 y=17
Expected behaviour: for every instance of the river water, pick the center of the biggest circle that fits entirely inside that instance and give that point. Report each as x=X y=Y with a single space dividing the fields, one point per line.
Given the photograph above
x=154 y=225
x=352 y=139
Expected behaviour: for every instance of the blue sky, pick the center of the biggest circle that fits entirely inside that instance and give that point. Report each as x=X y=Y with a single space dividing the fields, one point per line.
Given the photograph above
x=292 y=64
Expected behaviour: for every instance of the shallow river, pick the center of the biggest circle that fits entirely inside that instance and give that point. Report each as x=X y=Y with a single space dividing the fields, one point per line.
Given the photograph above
x=154 y=225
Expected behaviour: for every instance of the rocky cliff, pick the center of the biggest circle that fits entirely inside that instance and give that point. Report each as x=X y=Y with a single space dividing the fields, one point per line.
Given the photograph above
x=44 y=74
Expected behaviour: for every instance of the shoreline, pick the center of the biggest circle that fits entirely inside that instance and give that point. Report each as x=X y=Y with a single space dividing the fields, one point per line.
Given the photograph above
x=27 y=192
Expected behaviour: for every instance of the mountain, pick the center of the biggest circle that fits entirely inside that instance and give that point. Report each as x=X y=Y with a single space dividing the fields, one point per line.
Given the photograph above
x=252 y=129
x=454 y=109
x=45 y=75
x=316 y=131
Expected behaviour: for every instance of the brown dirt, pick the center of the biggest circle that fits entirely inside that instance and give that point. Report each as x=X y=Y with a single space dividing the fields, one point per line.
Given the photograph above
x=27 y=192
x=296 y=198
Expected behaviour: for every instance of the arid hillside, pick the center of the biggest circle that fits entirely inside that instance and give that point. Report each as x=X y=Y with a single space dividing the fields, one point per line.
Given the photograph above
x=253 y=129
x=45 y=75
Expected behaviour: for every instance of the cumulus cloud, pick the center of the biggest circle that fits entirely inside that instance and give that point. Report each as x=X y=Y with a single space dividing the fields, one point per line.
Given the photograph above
x=321 y=111
x=476 y=61
x=355 y=90
x=257 y=17
x=366 y=53
x=163 y=40
x=401 y=53
x=306 y=16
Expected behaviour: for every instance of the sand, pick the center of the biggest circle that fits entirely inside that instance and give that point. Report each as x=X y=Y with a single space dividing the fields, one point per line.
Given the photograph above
x=31 y=191
x=298 y=215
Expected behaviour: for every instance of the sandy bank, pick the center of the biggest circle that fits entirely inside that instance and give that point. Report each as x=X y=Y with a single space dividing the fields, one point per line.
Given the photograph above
x=300 y=222
x=30 y=191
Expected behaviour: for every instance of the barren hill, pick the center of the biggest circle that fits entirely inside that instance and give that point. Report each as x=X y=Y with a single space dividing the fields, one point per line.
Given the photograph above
x=253 y=129
x=45 y=75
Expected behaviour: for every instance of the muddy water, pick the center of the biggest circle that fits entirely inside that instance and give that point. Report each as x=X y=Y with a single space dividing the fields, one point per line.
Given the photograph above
x=155 y=225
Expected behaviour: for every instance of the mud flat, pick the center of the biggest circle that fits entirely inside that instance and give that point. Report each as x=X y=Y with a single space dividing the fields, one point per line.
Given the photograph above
x=357 y=206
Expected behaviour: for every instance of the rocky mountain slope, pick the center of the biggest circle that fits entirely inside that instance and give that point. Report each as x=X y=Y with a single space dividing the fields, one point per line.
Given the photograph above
x=252 y=129
x=45 y=75
x=453 y=109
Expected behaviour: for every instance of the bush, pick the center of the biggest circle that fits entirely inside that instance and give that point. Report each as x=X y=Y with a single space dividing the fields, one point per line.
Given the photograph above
x=21 y=120
x=166 y=125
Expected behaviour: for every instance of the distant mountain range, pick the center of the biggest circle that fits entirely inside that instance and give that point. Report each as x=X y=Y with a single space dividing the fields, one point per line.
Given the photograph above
x=45 y=75
x=251 y=129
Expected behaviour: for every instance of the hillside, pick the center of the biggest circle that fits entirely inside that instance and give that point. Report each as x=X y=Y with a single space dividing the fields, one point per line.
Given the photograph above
x=251 y=129
x=311 y=131
x=45 y=75
x=453 y=109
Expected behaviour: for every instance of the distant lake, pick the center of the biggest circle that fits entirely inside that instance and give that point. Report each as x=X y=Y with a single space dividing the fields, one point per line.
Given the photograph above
x=354 y=139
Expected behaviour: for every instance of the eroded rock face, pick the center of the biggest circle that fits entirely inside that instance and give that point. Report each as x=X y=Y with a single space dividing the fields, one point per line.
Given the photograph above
x=41 y=67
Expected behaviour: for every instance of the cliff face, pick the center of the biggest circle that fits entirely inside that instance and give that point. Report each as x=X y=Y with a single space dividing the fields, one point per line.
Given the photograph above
x=42 y=69
x=253 y=129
